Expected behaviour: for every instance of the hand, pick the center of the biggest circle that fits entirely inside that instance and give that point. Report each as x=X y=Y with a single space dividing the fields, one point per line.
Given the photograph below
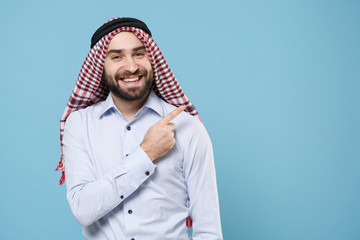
x=159 y=139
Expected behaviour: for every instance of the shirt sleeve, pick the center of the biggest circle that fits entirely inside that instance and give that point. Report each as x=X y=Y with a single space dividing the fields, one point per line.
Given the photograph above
x=201 y=179
x=91 y=196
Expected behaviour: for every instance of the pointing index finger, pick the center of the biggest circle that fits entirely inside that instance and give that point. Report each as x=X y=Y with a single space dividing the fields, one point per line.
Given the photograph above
x=172 y=115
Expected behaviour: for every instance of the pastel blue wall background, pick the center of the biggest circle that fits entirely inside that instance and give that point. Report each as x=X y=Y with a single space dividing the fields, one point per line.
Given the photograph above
x=276 y=83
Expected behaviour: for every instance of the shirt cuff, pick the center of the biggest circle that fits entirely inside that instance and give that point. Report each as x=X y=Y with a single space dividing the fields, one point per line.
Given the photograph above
x=139 y=166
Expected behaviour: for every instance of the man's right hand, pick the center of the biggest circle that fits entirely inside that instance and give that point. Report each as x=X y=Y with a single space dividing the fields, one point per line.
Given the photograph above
x=159 y=139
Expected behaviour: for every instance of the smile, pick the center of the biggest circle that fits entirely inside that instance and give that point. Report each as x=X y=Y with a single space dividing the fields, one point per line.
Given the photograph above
x=134 y=79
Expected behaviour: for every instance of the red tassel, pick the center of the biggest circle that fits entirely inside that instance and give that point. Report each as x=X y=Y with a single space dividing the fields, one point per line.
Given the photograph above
x=62 y=179
x=59 y=167
x=189 y=222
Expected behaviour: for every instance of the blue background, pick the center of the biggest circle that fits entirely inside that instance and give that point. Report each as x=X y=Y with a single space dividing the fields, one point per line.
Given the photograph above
x=276 y=84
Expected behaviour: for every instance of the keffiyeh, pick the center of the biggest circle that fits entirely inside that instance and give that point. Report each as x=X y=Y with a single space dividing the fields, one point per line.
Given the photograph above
x=89 y=88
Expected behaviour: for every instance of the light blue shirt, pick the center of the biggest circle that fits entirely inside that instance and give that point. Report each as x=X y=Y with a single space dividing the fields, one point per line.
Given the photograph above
x=116 y=192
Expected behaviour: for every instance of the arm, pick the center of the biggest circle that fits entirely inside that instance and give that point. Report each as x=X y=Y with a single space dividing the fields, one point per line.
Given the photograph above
x=201 y=180
x=91 y=196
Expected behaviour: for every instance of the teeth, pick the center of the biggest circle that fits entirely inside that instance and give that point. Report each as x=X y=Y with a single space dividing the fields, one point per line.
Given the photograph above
x=131 y=79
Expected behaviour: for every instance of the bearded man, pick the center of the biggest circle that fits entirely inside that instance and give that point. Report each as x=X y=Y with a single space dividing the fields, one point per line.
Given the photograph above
x=137 y=166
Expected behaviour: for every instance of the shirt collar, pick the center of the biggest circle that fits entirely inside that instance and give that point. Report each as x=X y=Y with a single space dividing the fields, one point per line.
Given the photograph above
x=107 y=107
x=152 y=102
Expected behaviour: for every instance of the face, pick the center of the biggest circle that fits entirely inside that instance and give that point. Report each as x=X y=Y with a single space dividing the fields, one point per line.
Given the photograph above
x=127 y=71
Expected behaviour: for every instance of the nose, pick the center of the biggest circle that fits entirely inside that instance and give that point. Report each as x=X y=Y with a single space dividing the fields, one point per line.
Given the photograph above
x=130 y=65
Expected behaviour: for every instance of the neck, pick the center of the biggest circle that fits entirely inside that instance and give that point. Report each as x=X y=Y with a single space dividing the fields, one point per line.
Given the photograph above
x=129 y=108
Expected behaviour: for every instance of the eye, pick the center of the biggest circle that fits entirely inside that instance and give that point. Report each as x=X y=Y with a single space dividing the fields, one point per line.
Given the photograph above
x=115 y=57
x=139 y=54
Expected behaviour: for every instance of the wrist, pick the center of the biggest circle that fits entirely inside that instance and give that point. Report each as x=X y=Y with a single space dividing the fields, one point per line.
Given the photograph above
x=147 y=150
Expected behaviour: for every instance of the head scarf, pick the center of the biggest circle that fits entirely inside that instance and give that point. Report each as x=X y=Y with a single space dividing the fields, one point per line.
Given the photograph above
x=89 y=88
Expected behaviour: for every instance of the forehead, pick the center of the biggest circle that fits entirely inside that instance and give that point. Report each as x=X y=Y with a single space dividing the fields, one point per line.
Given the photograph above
x=125 y=40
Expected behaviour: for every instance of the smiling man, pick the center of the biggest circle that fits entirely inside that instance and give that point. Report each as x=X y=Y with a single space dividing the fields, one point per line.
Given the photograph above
x=127 y=70
x=136 y=165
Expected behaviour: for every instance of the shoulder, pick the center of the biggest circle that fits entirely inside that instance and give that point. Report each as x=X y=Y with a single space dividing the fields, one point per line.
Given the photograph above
x=182 y=118
x=81 y=115
x=187 y=126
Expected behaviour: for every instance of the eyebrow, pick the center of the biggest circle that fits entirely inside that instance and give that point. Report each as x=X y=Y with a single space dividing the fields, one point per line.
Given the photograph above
x=121 y=50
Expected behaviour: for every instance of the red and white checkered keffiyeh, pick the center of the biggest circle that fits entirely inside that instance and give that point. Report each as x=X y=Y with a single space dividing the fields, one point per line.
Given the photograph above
x=90 y=89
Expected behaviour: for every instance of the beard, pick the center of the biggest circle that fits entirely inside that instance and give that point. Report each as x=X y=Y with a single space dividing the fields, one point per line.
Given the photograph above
x=132 y=93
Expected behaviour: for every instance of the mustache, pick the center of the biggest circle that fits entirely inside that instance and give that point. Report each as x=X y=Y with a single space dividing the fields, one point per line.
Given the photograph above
x=127 y=74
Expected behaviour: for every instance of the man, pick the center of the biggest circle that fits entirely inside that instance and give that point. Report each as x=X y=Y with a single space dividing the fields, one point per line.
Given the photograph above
x=137 y=164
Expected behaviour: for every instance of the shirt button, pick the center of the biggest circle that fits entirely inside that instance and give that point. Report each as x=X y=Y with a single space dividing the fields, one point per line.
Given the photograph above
x=147 y=173
x=122 y=196
x=126 y=155
x=130 y=211
x=128 y=128
x=132 y=239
